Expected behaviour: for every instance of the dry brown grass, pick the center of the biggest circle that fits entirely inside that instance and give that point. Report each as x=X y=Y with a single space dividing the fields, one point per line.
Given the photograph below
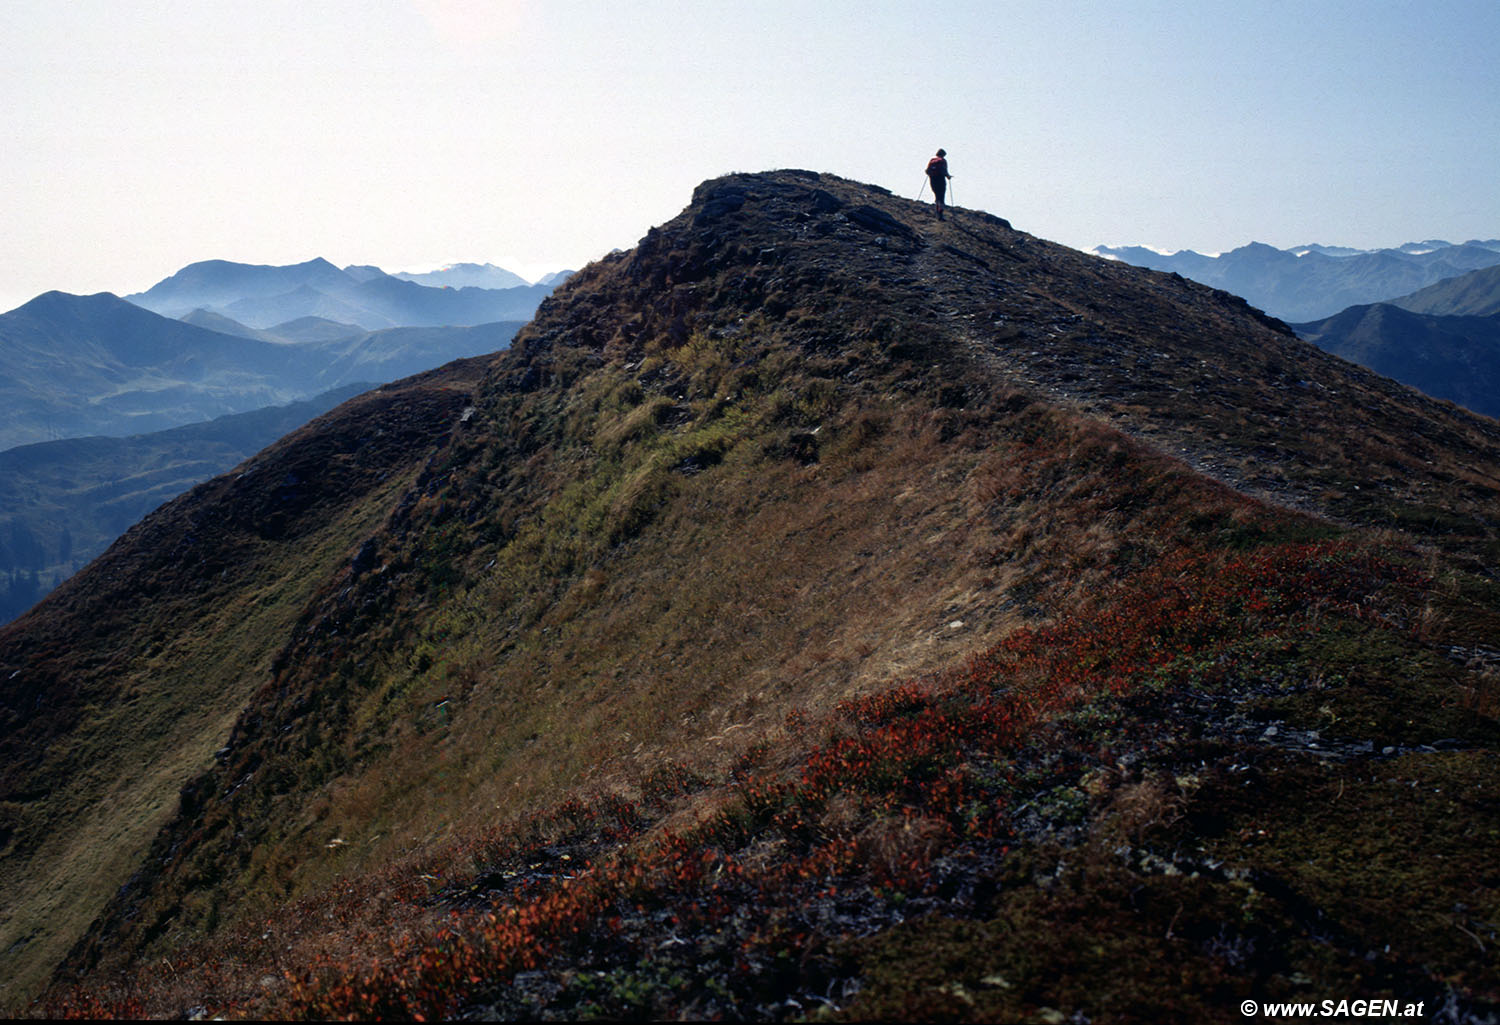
x=1482 y=693
x=1137 y=808
x=890 y=845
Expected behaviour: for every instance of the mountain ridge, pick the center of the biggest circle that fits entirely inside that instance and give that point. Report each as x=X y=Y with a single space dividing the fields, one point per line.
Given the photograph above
x=1309 y=283
x=80 y=365
x=168 y=562
x=459 y=275
x=262 y=296
x=760 y=511
x=99 y=364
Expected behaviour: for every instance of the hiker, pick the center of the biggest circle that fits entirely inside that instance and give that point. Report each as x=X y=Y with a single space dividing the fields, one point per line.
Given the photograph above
x=937 y=173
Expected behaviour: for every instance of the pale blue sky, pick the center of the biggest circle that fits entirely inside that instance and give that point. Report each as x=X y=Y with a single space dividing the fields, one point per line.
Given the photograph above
x=142 y=136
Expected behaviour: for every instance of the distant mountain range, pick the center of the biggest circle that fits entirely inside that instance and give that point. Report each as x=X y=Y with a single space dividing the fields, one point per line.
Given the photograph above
x=151 y=405
x=78 y=365
x=478 y=275
x=1310 y=282
x=263 y=296
x=1443 y=339
x=72 y=366
x=466 y=275
x=1424 y=313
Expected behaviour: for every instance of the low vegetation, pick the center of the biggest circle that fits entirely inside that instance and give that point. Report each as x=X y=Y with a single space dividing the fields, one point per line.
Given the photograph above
x=1042 y=818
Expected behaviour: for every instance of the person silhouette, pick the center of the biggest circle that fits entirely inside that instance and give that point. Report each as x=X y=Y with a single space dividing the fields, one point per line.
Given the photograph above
x=937 y=174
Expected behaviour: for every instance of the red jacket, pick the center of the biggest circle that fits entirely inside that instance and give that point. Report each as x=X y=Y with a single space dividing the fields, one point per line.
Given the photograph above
x=937 y=169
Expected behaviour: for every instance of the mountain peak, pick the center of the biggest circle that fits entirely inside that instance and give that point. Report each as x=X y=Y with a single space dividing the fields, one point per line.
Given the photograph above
x=465 y=275
x=263 y=296
x=95 y=308
x=56 y=298
x=209 y=284
x=1314 y=281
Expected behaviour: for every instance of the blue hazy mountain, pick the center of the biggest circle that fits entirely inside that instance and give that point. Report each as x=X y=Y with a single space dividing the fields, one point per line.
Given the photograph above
x=261 y=296
x=77 y=365
x=466 y=275
x=210 y=284
x=1476 y=294
x=108 y=409
x=1448 y=357
x=1314 y=281
x=303 y=329
x=72 y=366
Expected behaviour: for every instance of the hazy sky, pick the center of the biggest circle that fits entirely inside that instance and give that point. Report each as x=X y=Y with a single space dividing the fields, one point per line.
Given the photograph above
x=143 y=136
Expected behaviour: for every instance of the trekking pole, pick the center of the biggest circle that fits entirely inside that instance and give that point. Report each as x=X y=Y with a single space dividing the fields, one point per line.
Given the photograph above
x=923 y=190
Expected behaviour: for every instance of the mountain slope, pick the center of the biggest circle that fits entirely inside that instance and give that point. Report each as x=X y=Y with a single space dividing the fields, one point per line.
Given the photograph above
x=829 y=562
x=1309 y=282
x=98 y=731
x=1448 y=357
x=63 y=502
x=1476 y=294
x=224 y=326
x=79 y=365
x=400 y=351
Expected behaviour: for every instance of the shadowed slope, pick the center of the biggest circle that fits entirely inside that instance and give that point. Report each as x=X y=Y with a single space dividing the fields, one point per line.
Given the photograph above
x=1447 y=357
x=119 y=686
x=1476 y=294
